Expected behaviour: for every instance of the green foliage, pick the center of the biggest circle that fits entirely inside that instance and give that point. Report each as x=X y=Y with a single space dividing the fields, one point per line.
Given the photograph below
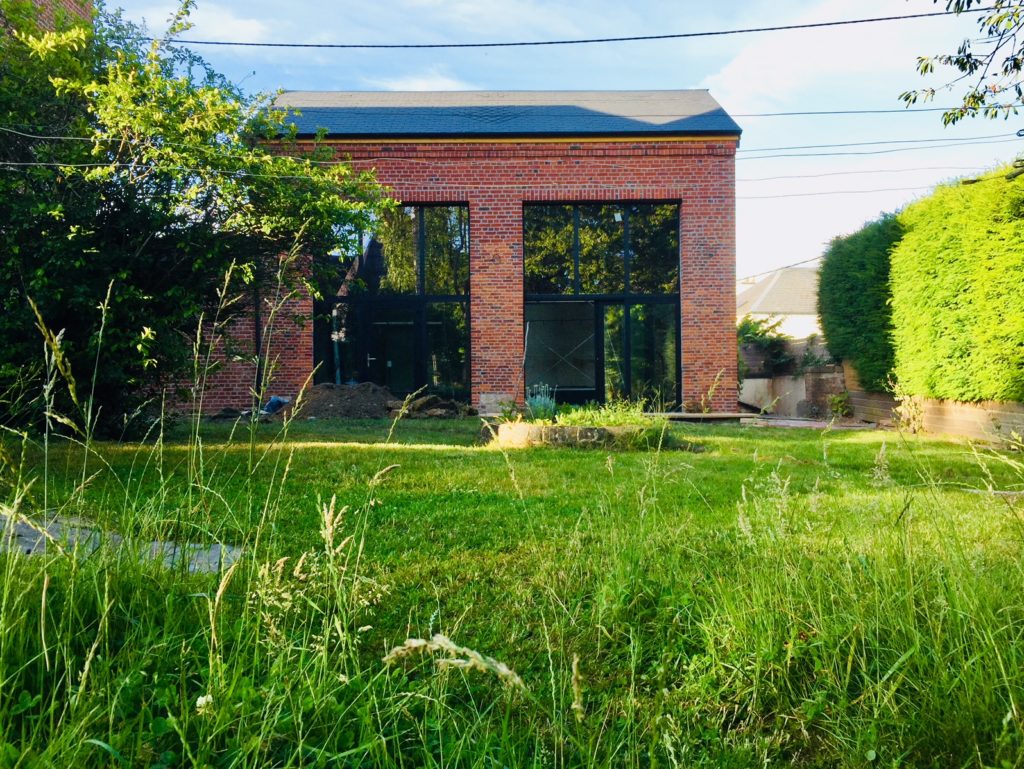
x=957 y=298
x=853 y=300
x=164 y=187
x=839 y=404
x=765 y=336
x=991 y=63
x=540 y=402
x=614 y=413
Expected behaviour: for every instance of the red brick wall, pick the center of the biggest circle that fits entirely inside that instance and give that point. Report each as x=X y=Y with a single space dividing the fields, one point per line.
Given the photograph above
x=287 y=346
x=496 y=178
x=65 y=11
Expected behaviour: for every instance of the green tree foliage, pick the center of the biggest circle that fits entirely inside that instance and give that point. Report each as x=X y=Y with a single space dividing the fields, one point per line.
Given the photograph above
x=991 y=64
x=958 y=293
x=136 y=167
x=765 y=336
x=853 y=300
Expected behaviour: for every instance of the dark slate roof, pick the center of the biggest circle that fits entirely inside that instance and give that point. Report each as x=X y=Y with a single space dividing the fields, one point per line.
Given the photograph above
x=371 y=114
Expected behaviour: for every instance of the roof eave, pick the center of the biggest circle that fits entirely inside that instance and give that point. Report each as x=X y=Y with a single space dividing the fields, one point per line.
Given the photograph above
x=456 y=136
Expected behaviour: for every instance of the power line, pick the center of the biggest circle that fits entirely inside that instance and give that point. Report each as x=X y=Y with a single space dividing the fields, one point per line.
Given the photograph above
x=784 y=267
x=963 y=139
x=577 y=41
x=877 y=152
x=21 y=165
x=881 y=111
x=971 y=169
x=834 y=192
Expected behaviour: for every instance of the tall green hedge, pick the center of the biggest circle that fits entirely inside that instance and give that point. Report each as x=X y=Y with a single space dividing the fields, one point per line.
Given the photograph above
x=853 y=300
x=957 y=279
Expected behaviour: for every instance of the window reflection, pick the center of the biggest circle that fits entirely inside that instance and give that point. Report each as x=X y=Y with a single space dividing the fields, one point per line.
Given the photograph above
x=601 y=249
x=397 y=312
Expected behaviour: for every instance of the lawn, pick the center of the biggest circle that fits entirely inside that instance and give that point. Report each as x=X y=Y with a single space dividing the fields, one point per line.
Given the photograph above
x=819 y=598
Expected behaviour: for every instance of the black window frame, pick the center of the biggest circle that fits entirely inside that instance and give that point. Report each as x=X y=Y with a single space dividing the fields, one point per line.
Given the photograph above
x=627 y=249
x=626 y=298
x=419 y=302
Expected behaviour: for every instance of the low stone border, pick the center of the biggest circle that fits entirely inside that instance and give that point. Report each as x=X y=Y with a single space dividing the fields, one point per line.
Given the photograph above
x=518 y=435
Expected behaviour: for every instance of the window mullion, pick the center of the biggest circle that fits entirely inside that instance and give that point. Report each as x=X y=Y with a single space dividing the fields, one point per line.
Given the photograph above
x=627 y=248
x=576 y=250
x=421 y=251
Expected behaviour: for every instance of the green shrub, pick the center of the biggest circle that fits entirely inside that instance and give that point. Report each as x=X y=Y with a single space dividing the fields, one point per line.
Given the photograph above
x=765 y=335
x=958 y=293
x=540 y=402
x=616 y=413
x=853 y=300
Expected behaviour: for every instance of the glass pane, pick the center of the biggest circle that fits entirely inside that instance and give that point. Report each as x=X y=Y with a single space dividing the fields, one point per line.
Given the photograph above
x=447 y=250
x=390 y=355
x=388 y=265
x=335 y=339
x=602 y=268
x=448 y=350
x=615 y=386
x=654 y=246
x=560 y=347
x=547 y=249
x=654 y=354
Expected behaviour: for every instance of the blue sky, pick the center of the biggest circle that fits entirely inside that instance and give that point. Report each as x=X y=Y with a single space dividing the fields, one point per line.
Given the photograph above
x=856 y=67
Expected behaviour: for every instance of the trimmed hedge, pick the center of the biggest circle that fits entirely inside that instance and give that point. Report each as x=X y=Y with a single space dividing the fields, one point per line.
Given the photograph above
x=853 y=300
x=957 y=279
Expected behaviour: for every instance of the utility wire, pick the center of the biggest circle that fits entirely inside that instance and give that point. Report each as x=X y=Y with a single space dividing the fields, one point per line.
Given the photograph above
x=784 y=267
x=964 y=139
x=23 y=165
x=577 y=41
x=970 y=169
x=833 y=192
x=875 y=152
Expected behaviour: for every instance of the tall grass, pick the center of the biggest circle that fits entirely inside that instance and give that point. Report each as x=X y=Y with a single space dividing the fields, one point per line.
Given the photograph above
x=804 y=631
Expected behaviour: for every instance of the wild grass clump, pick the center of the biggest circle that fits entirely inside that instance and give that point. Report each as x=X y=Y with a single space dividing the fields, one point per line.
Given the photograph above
x=615 y=413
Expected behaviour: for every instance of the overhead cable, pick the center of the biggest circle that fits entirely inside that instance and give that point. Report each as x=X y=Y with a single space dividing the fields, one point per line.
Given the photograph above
x=576 y=41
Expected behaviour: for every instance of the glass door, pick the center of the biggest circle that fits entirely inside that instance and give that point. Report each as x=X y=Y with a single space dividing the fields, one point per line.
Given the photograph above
x=389 y=357
x=639 y=352
x=561 y=349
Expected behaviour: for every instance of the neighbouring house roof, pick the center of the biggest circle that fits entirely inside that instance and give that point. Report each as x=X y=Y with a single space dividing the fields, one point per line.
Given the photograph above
x=371 y=114
x=789 y=291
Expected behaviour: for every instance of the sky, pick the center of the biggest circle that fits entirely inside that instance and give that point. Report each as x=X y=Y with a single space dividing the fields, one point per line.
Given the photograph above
x=780 y=221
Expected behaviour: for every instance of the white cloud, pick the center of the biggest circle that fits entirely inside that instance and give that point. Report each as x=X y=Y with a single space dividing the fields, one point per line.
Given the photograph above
x=434 y=79
x=210 y=22
x=824 y=64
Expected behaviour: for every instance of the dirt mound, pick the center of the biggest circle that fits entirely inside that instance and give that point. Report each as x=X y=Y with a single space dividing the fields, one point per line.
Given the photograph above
x=330 y=401
x=432 y=407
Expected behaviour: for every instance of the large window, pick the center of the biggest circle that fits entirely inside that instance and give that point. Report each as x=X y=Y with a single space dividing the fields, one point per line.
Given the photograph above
x=603 y=249
x=602 y=300
x=400 y=313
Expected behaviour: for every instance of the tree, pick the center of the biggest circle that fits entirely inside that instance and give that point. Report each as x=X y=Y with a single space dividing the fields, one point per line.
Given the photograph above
x=992 y=66
x=854 y=300
x=136 y=167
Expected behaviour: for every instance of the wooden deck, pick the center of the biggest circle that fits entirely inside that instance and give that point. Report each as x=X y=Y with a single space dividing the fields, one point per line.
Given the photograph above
x=711 y=416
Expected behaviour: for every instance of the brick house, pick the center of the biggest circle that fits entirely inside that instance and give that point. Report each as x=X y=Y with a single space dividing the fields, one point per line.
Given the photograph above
x=580 y=240
x=54 y=14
